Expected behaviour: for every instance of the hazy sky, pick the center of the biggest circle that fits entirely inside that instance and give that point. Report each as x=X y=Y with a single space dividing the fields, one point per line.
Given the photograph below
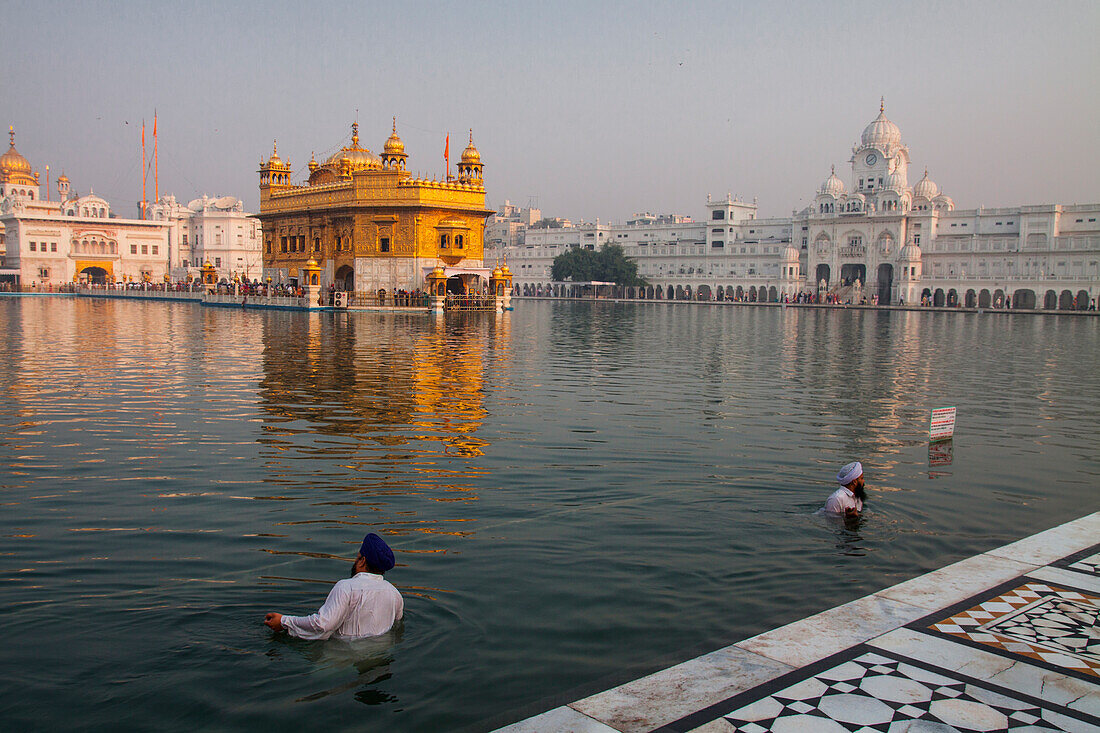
x=592 y=109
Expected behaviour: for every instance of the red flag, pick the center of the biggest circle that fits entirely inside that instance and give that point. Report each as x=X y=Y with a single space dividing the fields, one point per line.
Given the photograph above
x=447 y=154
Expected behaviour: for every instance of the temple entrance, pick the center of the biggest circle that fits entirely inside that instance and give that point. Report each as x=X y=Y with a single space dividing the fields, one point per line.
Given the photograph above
x=851 y=272
x=345 y=279
x=885 y=284
x=94 y=275
x=455 y=286
x=823 y=274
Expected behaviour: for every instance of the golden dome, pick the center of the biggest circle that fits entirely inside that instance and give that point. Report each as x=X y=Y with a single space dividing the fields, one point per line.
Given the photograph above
x=312 y=163
x=470 y=156
x=274 y=160
x=14 y=168
x=393 y=145
x=497 y=273
x=63 y=178
x=357 y=157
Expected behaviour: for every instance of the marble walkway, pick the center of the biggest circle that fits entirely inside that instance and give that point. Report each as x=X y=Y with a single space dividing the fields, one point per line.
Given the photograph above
x=1007 y=640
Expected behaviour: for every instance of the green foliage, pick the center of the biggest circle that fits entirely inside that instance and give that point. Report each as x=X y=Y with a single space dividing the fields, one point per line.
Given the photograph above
x=609 y=264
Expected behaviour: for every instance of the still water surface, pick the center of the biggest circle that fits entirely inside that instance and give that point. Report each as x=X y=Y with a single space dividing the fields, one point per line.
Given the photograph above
x=577 y=494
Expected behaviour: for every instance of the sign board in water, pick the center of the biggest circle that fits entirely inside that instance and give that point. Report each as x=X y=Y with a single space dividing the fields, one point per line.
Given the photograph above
x=942 y=424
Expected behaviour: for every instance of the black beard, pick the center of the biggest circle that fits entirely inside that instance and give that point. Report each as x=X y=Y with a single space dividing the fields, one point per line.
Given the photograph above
x=859 y=492
x=353 y=572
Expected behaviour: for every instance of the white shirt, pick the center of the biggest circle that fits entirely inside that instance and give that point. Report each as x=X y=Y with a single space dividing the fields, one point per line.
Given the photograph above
x=842 y=500
x=363 y=605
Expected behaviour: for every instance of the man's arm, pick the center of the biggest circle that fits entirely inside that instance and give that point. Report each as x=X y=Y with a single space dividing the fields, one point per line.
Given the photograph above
x=319 y=625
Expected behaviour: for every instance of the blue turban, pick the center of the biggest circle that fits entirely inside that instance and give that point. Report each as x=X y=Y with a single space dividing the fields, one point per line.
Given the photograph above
x=377 y=553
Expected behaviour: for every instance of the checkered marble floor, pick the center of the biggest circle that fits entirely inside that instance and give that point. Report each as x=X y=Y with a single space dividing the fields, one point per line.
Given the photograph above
x=1005 y=641
x=868 y=691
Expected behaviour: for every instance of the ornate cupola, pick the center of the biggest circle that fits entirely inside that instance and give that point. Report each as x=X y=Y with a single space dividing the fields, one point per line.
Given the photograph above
x=469 y=169
x=15 y=172
x=393 y=152
x=274 y=172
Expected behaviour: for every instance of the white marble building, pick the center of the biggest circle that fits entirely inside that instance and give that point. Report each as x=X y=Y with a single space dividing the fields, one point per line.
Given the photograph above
x=214 y=230
x=876 y=238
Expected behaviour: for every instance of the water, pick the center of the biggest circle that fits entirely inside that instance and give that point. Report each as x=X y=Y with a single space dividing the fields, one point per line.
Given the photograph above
x=578 y=494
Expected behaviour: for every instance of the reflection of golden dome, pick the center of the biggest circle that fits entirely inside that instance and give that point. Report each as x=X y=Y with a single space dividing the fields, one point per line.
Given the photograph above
x=393 y=145
x=14 y=168
x=470 y=156
x=357 y=157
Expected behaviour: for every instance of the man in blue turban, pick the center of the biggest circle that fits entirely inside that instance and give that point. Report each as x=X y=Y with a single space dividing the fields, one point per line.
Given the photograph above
x=363 y=605
x=848 y=499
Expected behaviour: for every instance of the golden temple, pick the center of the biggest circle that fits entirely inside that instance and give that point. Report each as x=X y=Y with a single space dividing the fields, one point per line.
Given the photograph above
x=370 y=224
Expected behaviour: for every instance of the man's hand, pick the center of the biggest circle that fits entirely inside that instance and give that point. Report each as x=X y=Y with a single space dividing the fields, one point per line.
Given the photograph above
x=274 y=621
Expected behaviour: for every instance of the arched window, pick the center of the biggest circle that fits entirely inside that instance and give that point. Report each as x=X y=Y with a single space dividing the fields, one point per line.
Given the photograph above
x=458 y=241
x=444 y=240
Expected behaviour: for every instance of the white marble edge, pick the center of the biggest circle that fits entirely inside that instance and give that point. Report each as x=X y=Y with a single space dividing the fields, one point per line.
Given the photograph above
x=813 y=638
x=563 y=719
x=956 y=582
x=1055 y=543
x=670 y=694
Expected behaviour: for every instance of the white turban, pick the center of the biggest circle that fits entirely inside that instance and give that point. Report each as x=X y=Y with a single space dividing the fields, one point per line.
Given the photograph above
x=849 y=473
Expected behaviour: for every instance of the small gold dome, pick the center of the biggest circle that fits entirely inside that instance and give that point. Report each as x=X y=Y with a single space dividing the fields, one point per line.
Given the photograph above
x=274 y=159
x=63 y=178
x=439 y=272
x=311 y=263
x=505 y=271
x=393 y=145
x=14 y=168
x=470 y=156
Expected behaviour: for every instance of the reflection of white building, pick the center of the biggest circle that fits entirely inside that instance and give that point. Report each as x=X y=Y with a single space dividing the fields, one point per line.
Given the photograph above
x=876 y=236
x=214 y=230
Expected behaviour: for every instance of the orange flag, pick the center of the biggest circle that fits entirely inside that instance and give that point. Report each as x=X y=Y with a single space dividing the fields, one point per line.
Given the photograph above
x=447 y=154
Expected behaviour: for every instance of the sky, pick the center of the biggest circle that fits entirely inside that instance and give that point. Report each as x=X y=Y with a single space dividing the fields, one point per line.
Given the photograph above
x=589 y=110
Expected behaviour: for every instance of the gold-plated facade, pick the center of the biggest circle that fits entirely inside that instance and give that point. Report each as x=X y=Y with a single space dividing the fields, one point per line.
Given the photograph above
x=370 y=224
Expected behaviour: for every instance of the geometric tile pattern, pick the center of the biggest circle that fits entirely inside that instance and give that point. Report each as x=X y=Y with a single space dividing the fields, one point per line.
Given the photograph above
x=1058 y=626
x=872 y=692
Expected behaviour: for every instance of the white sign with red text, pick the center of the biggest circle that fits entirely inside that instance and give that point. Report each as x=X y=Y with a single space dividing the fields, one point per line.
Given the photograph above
x=942 y=424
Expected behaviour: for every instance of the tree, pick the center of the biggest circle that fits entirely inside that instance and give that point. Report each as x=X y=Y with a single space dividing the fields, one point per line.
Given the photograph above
x=610 y=264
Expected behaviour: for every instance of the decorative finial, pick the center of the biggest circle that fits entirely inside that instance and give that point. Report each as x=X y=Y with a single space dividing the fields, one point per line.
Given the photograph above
x=274 y=147
x=832 y=169
x=11 y=133
x=882 y=104
x=355 y=133
x=926 y=173
x=395 y=124
x=471 y=136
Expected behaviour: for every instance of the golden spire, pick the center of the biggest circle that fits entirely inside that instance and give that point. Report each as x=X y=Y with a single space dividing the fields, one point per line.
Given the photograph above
x=471 y=136
x=274 y=147
x=355 y=134
x=882 y=104
x=395 y=124
x=11 y=134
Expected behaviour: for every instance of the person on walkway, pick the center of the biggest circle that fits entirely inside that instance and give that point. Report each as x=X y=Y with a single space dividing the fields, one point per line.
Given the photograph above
x=363 y=605
x=848 y=499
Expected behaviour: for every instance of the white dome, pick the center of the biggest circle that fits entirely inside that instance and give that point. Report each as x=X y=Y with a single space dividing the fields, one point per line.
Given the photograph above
x=881 y=133
x=926 y=188
x=833 y=186
x=896 y=181
x=790 y=254
x=910 y=252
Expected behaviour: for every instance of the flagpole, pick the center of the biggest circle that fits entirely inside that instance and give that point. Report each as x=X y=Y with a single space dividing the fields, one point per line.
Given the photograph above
x=143 y=169
x=156 y=161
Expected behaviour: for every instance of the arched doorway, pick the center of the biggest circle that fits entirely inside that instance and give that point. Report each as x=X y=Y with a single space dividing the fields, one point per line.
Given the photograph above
x=822 y=274
x=671 y=293
x=885 y=283
x=752 y=293
x=94 y=275
x=1024 y=299
x=984 y=299
x=998 y=298
x=851 y=272
x=739 y=294
x=952 y=298
x=939 y=298
x=1050 y=300
x=704 y=292
x=1082 y=300
x=1065 y=301
x=971 y=299
x=345 y=279
x=773 y=295
x=687 y=292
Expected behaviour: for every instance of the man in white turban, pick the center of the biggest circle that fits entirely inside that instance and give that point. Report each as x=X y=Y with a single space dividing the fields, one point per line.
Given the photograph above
x=848 y=499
